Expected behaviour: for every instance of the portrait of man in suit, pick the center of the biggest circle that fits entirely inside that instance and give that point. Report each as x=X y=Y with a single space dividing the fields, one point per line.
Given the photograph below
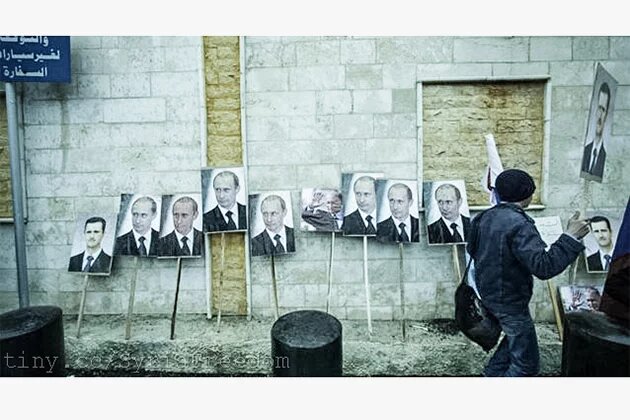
x=599 y=123
x=401 y=226
x=184 y=240
x=602 y=232
x=363 y=220
x=228 y=214
x=93 y=260
x=277 y=237
x=322 y=210
x=451 y=227
x=142 y=240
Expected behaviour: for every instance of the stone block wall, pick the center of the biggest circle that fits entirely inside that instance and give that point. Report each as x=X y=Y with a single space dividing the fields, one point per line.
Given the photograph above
x=319 y=106
x=130 y=121
x=135 y=116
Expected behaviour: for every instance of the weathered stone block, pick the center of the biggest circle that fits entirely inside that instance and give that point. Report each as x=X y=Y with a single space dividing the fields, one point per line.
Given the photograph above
x=267 y=79
x=334 y=102
x=281 y=104
x=353 y=126
x=310 y=128
x=364 y=76
x=592 y=48
x=550 y=48
x=317 y=53
x=490 y=49
x=134 y=110
x=358 y=51
x=372 y=101
x=399 y=76
x=93 y=85
x=130 y=85
x=317 y=78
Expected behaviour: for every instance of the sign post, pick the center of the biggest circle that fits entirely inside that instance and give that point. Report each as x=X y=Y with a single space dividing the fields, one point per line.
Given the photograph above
x=27 y=59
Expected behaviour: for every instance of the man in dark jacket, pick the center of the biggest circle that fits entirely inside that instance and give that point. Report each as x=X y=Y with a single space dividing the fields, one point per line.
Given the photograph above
x=507 y=250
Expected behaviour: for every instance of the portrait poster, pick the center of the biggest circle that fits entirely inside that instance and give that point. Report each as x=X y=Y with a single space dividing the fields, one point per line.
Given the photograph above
x=181 y=227
x=321 y=210
x=397 y=212
x=138 y=227
x=271 y=218
x=600 y=241
x=93 y=243
x=359 y=203
x=224 y=198
x=447 y=214
x=599 y=125
x=580 y=298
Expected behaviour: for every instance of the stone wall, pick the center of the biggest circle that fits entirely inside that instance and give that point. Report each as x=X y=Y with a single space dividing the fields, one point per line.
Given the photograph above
x=134 y=119
x=128 y=122
x=320 y=106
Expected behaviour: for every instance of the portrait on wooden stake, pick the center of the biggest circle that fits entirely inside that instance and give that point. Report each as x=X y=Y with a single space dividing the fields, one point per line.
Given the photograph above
x=93 y=243
x=138 y=226
x=271 y=219
x=397 y=215
x=224 y=197
x=321 y=210
x=359 y=203
x=446 y=212
x=180 y=235
x=599 y=125
x=600 y=242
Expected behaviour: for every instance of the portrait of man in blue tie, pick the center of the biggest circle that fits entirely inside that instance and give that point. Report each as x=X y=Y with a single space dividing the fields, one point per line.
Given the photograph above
x=94 y=240
x=223 y=197
x=602 y=235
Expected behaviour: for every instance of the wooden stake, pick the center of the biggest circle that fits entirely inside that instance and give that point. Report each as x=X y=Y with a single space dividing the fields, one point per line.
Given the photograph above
x=179 y=276
x=273 y=284
x=132 y=296
x=402 y=290
x=456 y=264
x=208 y=266
x=367 y=285
x=330 y=270
x=82 y=304
x=221 y=280
x=554 y=304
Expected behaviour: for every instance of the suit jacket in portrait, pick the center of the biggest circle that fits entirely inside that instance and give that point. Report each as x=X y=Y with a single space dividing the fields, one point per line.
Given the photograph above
x=169 y=245
x=353 y=224
x=126 y=244
x=100 y=265
x=594 y=262
x=263 y=245
x=386 y=231
x=598 y=168
x=321 y=220
x=439 y=233
x=213 y=220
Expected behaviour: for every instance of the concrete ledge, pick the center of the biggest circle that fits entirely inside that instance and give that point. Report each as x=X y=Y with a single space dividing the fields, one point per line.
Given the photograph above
x=243 y=348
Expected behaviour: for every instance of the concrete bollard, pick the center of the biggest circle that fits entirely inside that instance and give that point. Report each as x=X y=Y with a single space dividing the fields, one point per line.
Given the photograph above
x=31 y=342
x=306 y=343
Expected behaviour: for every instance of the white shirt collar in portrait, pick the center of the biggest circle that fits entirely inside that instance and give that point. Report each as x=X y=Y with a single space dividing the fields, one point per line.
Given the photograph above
x=95 y=256
x=283 y=237
x=407 y=223
x=190 y=237
x=147 y=239
x=458 y=222
x=364 y=215
x=234 y=210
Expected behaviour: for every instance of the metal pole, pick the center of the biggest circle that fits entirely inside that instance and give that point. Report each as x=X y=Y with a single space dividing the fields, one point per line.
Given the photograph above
x=16 y=194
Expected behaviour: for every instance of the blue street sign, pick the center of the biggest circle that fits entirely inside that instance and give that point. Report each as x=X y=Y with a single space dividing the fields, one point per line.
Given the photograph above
x=35 y=59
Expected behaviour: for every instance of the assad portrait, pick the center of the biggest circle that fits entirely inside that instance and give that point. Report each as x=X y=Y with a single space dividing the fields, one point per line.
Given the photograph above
x=224 y=198
x=138 y=226
x=181 y=226
x=92 y=245
x=448 y=220
x=398 y=211
x=272 y=230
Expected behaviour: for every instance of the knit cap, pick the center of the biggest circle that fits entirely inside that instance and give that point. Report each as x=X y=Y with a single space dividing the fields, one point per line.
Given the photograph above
x=514 y=185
